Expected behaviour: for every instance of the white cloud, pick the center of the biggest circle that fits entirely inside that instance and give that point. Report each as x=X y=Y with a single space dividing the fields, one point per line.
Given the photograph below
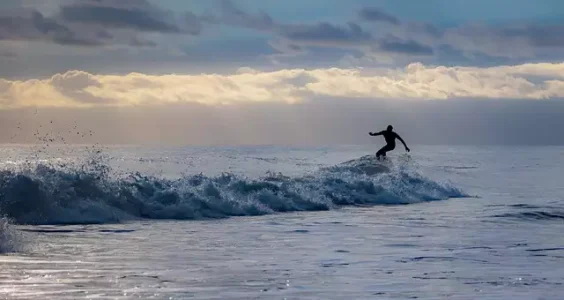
x=415 y=81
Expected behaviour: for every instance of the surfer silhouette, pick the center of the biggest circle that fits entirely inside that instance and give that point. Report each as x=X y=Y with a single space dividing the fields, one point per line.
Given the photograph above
x=390 y=136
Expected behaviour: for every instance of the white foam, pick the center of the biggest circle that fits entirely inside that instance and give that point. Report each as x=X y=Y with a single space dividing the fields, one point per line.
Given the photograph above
x=88 y=194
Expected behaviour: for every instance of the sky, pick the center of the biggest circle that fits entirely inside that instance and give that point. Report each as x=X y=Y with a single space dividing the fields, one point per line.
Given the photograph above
x=281 y=72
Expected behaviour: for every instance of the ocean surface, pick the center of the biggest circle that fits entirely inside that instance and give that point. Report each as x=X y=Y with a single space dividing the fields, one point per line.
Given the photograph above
x=125 y=222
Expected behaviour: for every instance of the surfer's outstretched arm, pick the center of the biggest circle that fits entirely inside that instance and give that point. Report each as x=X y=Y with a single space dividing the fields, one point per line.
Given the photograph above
x=401 y=140
x=375 y=133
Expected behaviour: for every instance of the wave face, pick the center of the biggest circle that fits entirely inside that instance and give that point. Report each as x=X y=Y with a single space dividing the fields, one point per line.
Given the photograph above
x=46 y=194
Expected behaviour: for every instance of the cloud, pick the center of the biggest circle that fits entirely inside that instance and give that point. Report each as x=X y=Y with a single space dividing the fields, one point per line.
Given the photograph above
x=139 y=42
x=137 y=15
x=416 y=81
x=514 y=41
x=177 y=38
x=535 y=35
x=483 y=43
x=232 y=15
x=27 y=24
x=472 y=43
x=294 y=36
x=325 y=33
x=193 y=23
x=411 y=47
x=286 y=49
x=95 y=23
x=377 y=15
x=74 y=85
x=503 y=40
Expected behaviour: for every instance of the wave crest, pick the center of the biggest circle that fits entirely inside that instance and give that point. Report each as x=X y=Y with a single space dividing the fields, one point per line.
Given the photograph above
x=89 y=194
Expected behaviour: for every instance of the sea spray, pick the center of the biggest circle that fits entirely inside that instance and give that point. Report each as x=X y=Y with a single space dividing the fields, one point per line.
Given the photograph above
x=93 y=193
x=10 y=239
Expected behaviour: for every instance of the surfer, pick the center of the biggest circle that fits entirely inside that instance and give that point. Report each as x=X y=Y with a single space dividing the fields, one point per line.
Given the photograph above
x=390 y=137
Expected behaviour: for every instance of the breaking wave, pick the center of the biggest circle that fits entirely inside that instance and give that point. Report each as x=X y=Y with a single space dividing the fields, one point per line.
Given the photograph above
x=46 y=194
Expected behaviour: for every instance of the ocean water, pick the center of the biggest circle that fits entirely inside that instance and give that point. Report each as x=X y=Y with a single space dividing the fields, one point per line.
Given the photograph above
x=124 y=222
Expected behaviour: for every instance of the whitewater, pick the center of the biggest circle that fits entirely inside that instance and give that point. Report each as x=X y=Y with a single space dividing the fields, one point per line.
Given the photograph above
x=271 y=222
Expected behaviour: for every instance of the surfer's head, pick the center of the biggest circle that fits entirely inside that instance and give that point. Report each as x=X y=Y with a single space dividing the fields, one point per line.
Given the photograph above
x=390 y=128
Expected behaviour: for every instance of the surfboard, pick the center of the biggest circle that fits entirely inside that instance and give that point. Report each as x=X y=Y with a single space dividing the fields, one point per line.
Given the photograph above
x=368 y=165
x=373 y=168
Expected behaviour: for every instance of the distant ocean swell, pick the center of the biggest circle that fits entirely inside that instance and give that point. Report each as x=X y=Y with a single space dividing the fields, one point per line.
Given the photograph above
x=83 y=195
x=528 y=212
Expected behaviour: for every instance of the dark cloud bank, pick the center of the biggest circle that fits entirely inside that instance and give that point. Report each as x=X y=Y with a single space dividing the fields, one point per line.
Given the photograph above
x=159 y=35
x=94 y=23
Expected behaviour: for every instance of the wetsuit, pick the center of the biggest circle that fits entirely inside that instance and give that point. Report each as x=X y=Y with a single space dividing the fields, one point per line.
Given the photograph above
x=390 y=138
